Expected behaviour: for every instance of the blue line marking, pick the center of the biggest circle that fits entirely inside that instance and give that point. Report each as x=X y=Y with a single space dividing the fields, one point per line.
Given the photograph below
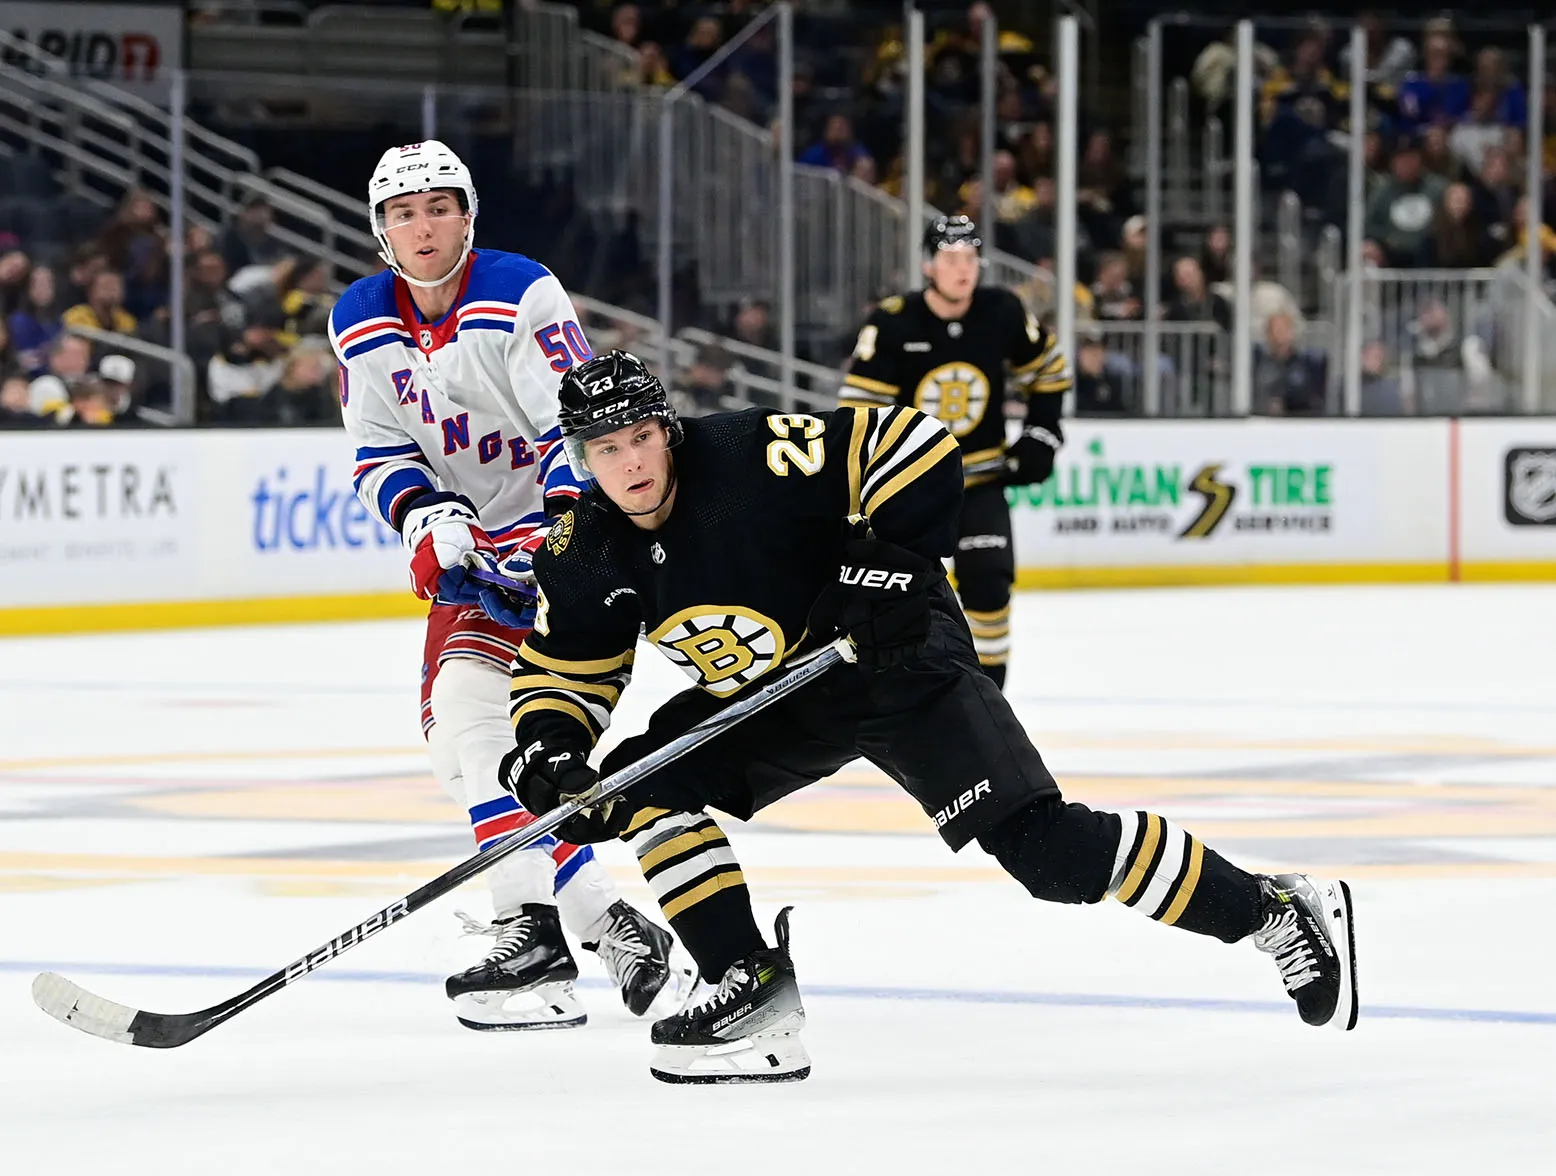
x=1084 y=1000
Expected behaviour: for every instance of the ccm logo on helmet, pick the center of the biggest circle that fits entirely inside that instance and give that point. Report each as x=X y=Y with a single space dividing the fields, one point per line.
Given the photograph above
x=875 y=578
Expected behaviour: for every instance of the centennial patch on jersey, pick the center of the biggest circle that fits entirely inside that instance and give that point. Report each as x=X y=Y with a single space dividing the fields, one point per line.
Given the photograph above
x=892 y=305
x=560 y=535
x=721 y=647
x=957 y=393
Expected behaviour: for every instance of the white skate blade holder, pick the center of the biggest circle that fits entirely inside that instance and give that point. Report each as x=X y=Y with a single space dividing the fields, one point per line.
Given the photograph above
x=776 y=1055
x=545 y=1006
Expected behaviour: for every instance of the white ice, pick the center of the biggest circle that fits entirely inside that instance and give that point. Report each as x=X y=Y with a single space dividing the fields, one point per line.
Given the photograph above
x=181 y=813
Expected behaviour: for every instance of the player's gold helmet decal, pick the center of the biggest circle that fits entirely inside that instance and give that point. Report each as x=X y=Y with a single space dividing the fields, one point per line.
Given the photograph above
x=721 y=647
x=957 y=393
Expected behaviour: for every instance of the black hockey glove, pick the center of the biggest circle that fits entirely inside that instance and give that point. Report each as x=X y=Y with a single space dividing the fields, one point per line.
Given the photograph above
x=1030 y=460
x=881 y=600
x=542 y=778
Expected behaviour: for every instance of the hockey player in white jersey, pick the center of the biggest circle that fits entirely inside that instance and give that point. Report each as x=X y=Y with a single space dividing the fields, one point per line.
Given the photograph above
x=450 y=361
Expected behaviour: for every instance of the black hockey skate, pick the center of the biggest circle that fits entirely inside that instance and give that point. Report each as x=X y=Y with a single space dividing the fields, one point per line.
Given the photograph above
x=1310 y=930
x=525 y=981
x=636 y=953
x=748 y=1030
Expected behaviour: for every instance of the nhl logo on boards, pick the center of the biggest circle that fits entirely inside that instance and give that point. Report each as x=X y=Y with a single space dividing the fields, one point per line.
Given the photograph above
x=426 y=339
x=560 y=535
x=657 y=553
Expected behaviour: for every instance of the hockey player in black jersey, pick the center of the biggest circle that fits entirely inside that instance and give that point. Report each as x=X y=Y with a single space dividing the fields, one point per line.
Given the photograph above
x=945 y=350
x=740 y=540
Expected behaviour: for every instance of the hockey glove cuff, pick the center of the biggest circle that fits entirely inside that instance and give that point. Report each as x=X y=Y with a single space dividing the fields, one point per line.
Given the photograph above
x=1030 y=459
x=881 y=600
x=513 y=605
x=542 y=778
x=444 y=536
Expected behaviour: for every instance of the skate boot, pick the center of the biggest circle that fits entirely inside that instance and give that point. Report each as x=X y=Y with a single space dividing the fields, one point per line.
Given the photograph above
x=747 y=1031
x=636 y=953
x=526 y=979
x=1309 y=928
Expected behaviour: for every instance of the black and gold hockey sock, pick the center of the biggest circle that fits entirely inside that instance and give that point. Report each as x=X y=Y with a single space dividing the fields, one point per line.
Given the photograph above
x=991 y=639
x=1070 y=853
x=691 y=869
x=1171 y=876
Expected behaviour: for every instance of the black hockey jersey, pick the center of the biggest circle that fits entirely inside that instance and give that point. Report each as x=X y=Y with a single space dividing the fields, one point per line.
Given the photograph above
x=724 y=587
x=955 y=369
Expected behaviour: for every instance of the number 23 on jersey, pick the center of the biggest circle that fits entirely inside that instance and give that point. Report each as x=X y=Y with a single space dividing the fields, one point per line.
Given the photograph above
x=784 y=454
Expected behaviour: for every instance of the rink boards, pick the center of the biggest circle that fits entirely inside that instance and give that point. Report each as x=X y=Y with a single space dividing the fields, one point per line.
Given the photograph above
x=139 y=529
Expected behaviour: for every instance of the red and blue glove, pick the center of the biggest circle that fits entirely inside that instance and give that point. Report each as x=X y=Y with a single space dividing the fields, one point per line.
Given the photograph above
x=443 y=534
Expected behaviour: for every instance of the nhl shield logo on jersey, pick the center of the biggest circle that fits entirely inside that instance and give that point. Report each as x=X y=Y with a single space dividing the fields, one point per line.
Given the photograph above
x=560 y=534
x=426 y=339
x=957 y=393
x=721 y=647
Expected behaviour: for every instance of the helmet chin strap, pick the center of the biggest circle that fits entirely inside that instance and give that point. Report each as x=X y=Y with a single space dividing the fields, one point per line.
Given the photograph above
x=420 y=284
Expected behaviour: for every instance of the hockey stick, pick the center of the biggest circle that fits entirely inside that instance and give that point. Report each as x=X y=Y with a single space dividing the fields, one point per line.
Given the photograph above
x=70 y=1003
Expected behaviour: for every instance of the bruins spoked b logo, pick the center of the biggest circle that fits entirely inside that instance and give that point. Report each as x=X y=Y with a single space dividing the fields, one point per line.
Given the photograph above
x=957 y=393
x=721 y=647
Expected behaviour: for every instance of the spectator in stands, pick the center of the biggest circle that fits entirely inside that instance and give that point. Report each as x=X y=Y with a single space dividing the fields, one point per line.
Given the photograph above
x=1458 y=240
x=305 y=299
x=1266 y=298
x=837 y=148
x=213 y=310
x=14 y=268
x=1039 y=231
x=953 y=170
x=653 y=69
x=627 y=25
x=70 y=358
x=1287 y=380
x=1437 y=158
x=1300 y=104
x=706 y=382
x=249 y=365
x=1437 y=361
x=702 y=42
x=1389 y=58
x=1192 y=300
x=1381 y=391
x=1102 y=190
x=1478 y=131
x=1036 y=153
x=35 y=323
x=116 y=373
x=1114 y=297
x=85 y=264
x=246 y=241
x=1435 y=94
x=16 y=405
x=756 y=62
x=1215 y=256
x=103 y=309
x=10 y=365
x=307 y=392
x=1496 y=192
x=1103 y=381
x=91 y=405
x=753 y=324
x=1510 y=102
x=1012 y=199
x=1519 y=225
x=1399 y=215
x=135 y=244
x=1134 y=249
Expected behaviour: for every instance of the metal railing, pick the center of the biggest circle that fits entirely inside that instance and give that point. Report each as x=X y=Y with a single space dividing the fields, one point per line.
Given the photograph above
x=181 y=411
x=1439 y=342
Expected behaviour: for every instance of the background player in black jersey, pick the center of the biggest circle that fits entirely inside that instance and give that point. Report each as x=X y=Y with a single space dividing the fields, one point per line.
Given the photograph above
x=725 y=538
x=946 y=351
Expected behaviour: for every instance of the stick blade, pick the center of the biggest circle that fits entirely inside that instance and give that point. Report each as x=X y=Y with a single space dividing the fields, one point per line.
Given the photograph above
x=69 y=1003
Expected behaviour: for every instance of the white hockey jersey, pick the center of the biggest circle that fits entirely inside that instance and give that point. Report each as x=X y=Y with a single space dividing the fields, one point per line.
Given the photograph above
x=466 y=404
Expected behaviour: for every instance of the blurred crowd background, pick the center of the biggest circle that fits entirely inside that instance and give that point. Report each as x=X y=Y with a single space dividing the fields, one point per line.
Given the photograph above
x=1445 y=144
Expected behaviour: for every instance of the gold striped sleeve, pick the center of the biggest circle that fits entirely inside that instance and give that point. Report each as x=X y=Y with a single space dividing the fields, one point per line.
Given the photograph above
x=587 y=695
x=881 y=496
x=858 y=432
x=865 y=384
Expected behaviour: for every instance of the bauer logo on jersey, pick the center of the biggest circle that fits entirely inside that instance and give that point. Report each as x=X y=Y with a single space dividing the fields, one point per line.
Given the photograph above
x=560 y=535
x=957 y=393
x=721 y=647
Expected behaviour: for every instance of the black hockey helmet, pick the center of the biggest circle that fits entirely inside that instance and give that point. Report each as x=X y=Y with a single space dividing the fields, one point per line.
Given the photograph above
x=946 y=232
x=610 y=392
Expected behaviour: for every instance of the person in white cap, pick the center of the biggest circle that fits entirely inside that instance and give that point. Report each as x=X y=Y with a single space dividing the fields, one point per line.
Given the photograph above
x=450 y=360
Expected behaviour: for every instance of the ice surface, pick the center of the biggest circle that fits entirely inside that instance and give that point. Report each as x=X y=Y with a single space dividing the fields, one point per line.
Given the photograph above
x=181 y=813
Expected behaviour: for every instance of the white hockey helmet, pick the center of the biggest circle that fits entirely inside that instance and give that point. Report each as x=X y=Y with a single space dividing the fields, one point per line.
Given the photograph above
x=418 y=167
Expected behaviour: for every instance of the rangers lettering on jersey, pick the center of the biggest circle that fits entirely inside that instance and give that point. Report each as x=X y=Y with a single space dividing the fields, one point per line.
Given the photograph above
x=466 y=403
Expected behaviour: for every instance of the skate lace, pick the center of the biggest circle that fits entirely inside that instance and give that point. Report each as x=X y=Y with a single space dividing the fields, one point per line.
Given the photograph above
x=1282 y=937
x=623 y=950
x=729 y=989
x=512 y=935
